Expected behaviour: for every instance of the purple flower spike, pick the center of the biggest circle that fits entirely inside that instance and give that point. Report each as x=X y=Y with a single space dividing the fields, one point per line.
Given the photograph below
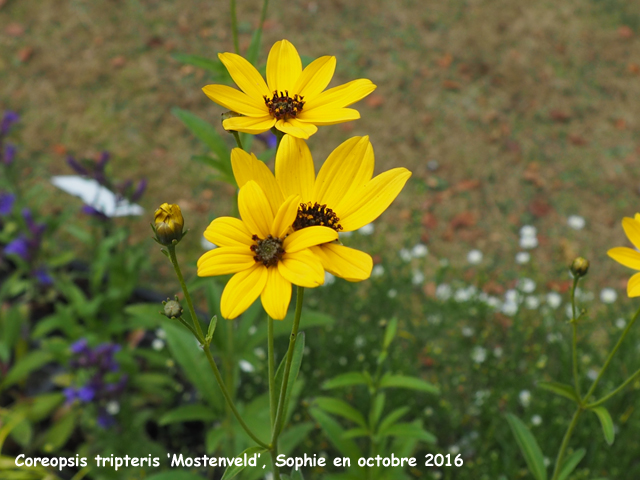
x=105 y=420
x=6 y=203
x=79 y=346
x=71 y=394
x=269 y=139
x=79 y=169
x=8 y=119
x=139 y=191
x=102 y=161
x=89 y=210
x=19 y=247
x=42 y=276
x=86 y=394
x=9 y=154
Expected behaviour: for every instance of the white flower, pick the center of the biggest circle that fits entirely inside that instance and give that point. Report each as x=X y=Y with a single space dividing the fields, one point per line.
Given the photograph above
x=474 y=257
x=377 y=271
x=252 y=330
x=462 y=295
x=494 y=302
x=157 y=344
x=112 y=407
x=420 y=250
x=525 y=398
x=528 y=231
x=454 y=449
x=621 y=323
x=443 y=292
x=528 y=242
x=509 y=308
x=512 y=296
x=569 y=310
x=342 y=361
x=393 y=293
x=160 y=333
x=443 y=262
x=554 y=337
x=259 y=352
x=478 y=354
x=329 y=278
x=576 y=222
x=497 y=352
x=417 y=278
x=592 y=374
x=405 y=255
x=608 y=295
x=523 y=257
x=366 y=230
x=434 y=319
x=554 y=299
x=246 y=366
x=526 y=285
x=546 y=461
x=360 y=341
x=536 y=420
x=531 y=302
x=467 y=331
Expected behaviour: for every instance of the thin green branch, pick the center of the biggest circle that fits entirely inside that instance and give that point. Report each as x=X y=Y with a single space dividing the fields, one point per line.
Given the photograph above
x=614 y=392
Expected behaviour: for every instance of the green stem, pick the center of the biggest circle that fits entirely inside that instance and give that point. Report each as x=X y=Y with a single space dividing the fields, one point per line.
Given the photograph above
x=186 y=324
x=611 y=354
x=234 y=27
x=287 y=368
x=200 y=336
x=273 y=396
x=274 y=457
x=236 y=135
x=614 y=392
x=574 y=341
x=565 y=443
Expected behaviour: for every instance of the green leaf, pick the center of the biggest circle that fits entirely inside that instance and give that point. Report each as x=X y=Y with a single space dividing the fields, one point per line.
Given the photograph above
x=570 y=463
x=376 y=410
x=390 y=333
x=529 y=447
x=561 y=389
x=188 y=413
x=606 y=422
x=22 y=433
x=43 y=405
x=412 y=383
x=393 y=417
x=214 y=437
x=296 y=361
x=342 y=408
x=58 y=435
x=23 y=367
x=212 y=328
x=174 y=475
x=214 y=66
x=356 y=433
x=345 y=380
x=296 y=475
x=335 y=434
x=410 y=430
x=234 y=470
x=292 y=436
x=254 y=47
x=205 y=133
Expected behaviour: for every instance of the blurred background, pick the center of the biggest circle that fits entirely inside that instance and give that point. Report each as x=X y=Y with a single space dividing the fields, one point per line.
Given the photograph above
x=518 y=120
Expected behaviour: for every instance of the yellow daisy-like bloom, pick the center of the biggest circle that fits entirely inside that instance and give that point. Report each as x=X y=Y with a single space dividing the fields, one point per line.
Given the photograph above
x=292 y=99
x=343 y=197
x=263 y=252
x=627 y=256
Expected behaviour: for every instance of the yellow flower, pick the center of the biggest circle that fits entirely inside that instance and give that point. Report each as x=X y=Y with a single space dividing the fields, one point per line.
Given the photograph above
x=263 y=252
x=291 y=99
x=343 y=197
x=168 y=223
x=629 y=257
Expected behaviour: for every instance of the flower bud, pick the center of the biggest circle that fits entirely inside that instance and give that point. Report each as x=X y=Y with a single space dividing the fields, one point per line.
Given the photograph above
x=579 y=267
x=168 y=224
x=172 y=309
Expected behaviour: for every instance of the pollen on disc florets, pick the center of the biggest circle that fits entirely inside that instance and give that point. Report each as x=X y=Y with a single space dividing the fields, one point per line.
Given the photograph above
x=283 y=106
x=313 y=214
x=267 y=251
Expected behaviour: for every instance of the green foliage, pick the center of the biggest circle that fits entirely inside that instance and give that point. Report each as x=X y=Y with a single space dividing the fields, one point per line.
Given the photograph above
x=529 y=447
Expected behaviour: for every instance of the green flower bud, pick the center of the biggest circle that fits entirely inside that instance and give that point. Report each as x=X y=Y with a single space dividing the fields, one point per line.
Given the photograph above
x=168 y=224
x=579 y=267
x=172 y=309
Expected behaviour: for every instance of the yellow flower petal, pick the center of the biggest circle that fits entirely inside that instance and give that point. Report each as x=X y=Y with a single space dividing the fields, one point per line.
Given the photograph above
x=245 y=75
x=296 y=128
x=308 y=237
x=255 y=209
x=283 y=67
x=236 y=101
x=242 y=290
x=285 y=216
x=637 y=217
x=302 y=268
x=633 y=287
x=344 y=262
x=329 y=115
x=225 y=260
x=295 y=172
x=276 y=295
x=315 y=78
x=626 y=256
x=368 y=204
x=252 y=125
x=346 y=163
x=632 y=229
x=342 y=95
x=247 y=167
x=228 y=232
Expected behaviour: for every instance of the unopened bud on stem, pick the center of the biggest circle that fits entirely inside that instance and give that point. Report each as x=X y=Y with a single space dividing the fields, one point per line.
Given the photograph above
x=579 y=267
x=168 y=224
x=172 y=309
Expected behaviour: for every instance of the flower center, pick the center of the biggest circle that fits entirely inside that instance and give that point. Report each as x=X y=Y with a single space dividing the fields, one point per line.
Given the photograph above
x=314 y=214
x=268 y=251
x=283 y=106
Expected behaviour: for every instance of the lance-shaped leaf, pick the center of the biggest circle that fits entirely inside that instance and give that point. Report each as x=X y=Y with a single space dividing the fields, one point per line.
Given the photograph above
x=529 y=447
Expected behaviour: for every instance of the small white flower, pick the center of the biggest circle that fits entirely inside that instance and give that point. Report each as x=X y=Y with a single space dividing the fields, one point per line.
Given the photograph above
x=443 y=262
x=478 y=354
x=528 y=242
x=576 y=222
x=554 y=337
x=345 y=234
x=546 y=461
x=512 y=296
x=526 y=285
x=112 y=407
x=428 y=411
x=525 y=398
x=366 y=230
x=554 y=299
x=360 y=341
x=462 y=295
x=454 y=449
x=608 y=295
x=509 y=308
x=494 y=302
x=405 y=255
x=467 y=331
x=417 y=278
x=523 y=257
x=259 y=352
x=157 y=344
x=497 y=352
x=592 y=374
x=419 y=251
x=621 y=323
x=206 y=244
x=160 y=333
x=569 y=310
x=474 y=257
x=443 y=292
x=329 y=279
x=246 y=366
x=377 y=271
x=360 y=357
x=342 y=361
x=393 y=293
x=536 y=420
x=531 y=302
x=434 y=319
x=528 y=231
x=252 y=330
